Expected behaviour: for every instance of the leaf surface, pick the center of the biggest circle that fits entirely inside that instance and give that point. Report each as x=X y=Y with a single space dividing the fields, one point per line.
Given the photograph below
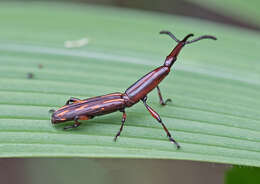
x=214 y=85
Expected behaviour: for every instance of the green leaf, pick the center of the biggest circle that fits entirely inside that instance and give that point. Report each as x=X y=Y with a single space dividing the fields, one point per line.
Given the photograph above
x=247 y=11
x=238 y=175
x=214 y=85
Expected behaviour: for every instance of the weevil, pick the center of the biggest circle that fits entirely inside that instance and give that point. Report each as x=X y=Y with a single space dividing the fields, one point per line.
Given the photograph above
x=76 y=109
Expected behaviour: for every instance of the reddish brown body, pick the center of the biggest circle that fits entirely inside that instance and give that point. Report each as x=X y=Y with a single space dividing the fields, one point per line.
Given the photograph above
x=76 y=109
x=146 y=84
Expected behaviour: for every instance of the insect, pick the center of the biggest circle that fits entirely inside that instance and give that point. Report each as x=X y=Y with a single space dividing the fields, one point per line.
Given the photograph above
x=76 y=109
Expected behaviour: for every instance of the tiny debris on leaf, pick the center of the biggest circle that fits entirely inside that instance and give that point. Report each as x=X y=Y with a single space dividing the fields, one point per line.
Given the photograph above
x=76 y=43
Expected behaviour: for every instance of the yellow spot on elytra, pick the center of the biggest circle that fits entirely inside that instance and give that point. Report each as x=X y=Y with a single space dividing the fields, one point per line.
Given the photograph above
x=62 y=113
x=83 y=117
x=80 y=108
x=79 y=101
x=115 y=100
x=113 y=94
x=96 y=106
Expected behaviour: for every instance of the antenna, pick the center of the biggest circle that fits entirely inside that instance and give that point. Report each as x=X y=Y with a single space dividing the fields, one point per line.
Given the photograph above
x=188 y=42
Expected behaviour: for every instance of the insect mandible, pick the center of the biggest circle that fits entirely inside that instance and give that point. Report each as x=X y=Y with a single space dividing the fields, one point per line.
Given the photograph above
x=76 y=109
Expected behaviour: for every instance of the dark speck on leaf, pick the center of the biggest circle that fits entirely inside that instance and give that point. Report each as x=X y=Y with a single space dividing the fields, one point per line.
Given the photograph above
x=40 y=66
x=30 y=75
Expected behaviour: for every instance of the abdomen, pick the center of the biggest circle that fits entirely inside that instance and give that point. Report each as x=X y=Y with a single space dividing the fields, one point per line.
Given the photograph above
x=146 y=84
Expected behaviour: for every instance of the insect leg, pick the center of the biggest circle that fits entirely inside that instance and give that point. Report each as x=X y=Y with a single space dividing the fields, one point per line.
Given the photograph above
x=75 y=125
x=51 y=111
x=122 y=125
x=162 y=102
x=157 y=117
x=72 y=99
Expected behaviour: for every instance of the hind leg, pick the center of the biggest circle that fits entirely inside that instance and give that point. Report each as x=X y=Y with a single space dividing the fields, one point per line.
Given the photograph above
x=158 y=118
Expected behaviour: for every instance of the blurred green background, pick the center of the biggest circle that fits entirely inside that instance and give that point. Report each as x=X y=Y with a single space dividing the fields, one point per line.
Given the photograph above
x=237 y=14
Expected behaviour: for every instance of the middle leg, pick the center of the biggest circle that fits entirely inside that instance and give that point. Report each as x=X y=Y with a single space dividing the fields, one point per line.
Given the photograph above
x=162 y=102
x=122 y=125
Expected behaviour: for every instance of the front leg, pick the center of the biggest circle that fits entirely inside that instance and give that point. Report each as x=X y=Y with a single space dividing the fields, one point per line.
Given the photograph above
x=72 y=99
x=158 y=118
x=75 y=125
x=162 y=102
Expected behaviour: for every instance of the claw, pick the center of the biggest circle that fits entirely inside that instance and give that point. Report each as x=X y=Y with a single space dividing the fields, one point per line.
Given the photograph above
x=167 y=100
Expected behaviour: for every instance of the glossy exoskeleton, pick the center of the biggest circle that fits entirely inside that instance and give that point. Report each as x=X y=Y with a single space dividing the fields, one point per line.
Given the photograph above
x=76 y=109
